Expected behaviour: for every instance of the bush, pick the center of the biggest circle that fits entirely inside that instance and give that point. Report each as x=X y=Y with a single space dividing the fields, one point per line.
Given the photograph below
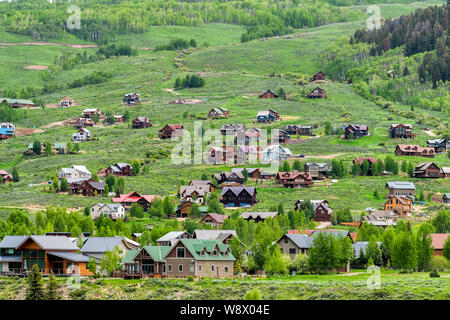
x=434 y=274
x=438 y=263
x=190 y=278
x=253 y=294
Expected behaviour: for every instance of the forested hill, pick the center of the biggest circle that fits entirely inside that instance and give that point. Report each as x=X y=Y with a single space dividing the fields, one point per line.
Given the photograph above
x=102 y=19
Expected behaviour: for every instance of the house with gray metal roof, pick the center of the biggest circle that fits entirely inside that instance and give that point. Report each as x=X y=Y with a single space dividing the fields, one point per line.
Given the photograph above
x=97 y=246
x=171 y=237
x=401 y=188
x=293 y=244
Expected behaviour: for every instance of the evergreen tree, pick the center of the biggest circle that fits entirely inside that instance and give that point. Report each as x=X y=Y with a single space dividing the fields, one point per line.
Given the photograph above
x=286 y=166
x=297 y=165
x=15 y=175
x=35 y=287
x=64 y=184
x=51 y=292
x=37 y=147
x=48 y=148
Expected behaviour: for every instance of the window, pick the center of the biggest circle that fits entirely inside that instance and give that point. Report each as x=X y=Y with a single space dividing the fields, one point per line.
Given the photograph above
x=292 y=251
x=170 y=268
x=281 y=249
x=180 y=268
x=285 y=240
x=214 y=253
x=226 y=269
x=199 y=267
x=164 y=268
x=212 y=268
x=191 y=268
x=180 y=252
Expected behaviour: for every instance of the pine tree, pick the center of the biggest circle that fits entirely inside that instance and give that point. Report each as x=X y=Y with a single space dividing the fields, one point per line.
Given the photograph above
x=64 y=184
x=15 y=175
x=51 y=292
x=297 y=165
x=34 y=290
x=286 y=166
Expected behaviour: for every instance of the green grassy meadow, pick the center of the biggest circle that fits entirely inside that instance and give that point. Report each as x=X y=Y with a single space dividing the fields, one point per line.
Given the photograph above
x=235 y=73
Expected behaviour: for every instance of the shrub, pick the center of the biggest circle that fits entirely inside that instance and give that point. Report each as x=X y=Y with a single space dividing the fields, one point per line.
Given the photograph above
x=434 y=274
x=253 y=294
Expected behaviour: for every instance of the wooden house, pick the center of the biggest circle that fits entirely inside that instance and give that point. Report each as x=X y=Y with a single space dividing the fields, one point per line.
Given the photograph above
x=439 y=145
x=321 y=209
x=317 y=93
x=131 y=98
x=90 y=113
x=294 y=179
x=182 y=210
x=268 y=94
x=298 y=130
x=216 y=113
x=147 y=261
x=140 y=123
x=414 y=150
x=83 y=123
x=238 y=196
x=380 y=218
x=427 y=170
x=119 y=169
x=52 y=254
x=401 y=188
x=235 y=178
x=172 y=237
x=171 y=130
x=264 y=116
x=355 y=131
x=318 y=171
x=360 y=160
x=258 y=216
x=401 y=205
x=5 y=177
x=87 y=188
x=253 y=173
x=127 y=200
x=403 y=131
x=318 y=76
x=75 y=173
x=118 y=118
x=280 y=136
x=66 y=102
x=215 y=220
x=18 y=103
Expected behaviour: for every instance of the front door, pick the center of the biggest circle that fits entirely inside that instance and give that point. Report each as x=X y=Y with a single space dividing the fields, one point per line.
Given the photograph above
x=147 y=268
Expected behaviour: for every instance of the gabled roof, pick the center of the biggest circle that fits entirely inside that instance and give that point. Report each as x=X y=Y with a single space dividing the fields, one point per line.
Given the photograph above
x=10 y=242
x=51 y=242
x=133 y=197
x=18 y=101
x=111 y=206
x=171 y=236
x=71 y=256
x=238 y=190
x=195 y=247
x=214 y=234
x=400 y=185
x=103 y=244
x=261 y=215
x=200 y=183
x=302 y=241
x=438 y=240
x=360 y=160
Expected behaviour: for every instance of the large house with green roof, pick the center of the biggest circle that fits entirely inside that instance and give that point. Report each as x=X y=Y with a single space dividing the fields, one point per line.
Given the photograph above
x=18 y=103
x=186 y=257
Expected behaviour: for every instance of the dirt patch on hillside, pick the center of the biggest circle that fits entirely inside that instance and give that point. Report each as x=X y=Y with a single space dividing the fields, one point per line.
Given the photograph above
x=171 y=91
x=72 y=45
x=328 y=156
x=36 y=67
x=26 y=132
x=430 y=133
x=57 y=124
x=285 y=117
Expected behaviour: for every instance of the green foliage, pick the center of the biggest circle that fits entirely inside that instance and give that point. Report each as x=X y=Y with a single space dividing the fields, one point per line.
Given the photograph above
x=328 y=253
x=15 y=175
x=111 y=261
x=51 y=292
x=441 y=221
x=190 y=81
x=35 y=287
x=92 y=265
x=300 y=263
x=404 y=252
x=253 y=294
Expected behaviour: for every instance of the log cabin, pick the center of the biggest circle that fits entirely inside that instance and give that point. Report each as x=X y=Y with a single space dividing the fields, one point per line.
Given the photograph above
x=318 y=76
x=140 y=123
x=216 y=113
x=414 y=150
x=268 y=94
x=5 y=177
x=427 y=170
x=401 y=205
x=317 y=93
x=401 y=131
x=356 y=131
x=238 y=196
x=171 y=130
x=294 y=179
x=119 y=169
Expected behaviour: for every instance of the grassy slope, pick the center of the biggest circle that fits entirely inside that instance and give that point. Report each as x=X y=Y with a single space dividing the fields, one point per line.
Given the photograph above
x=150 y=72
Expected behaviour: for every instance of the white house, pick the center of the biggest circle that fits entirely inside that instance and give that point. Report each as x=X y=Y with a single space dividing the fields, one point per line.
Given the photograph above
x=82 y=135
x=113 y=211
x=76 y=173
x=275 y=153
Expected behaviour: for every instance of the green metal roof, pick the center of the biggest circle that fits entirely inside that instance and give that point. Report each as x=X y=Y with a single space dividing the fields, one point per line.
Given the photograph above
x=11 y=101
x=156 y=252
x=195 y=247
